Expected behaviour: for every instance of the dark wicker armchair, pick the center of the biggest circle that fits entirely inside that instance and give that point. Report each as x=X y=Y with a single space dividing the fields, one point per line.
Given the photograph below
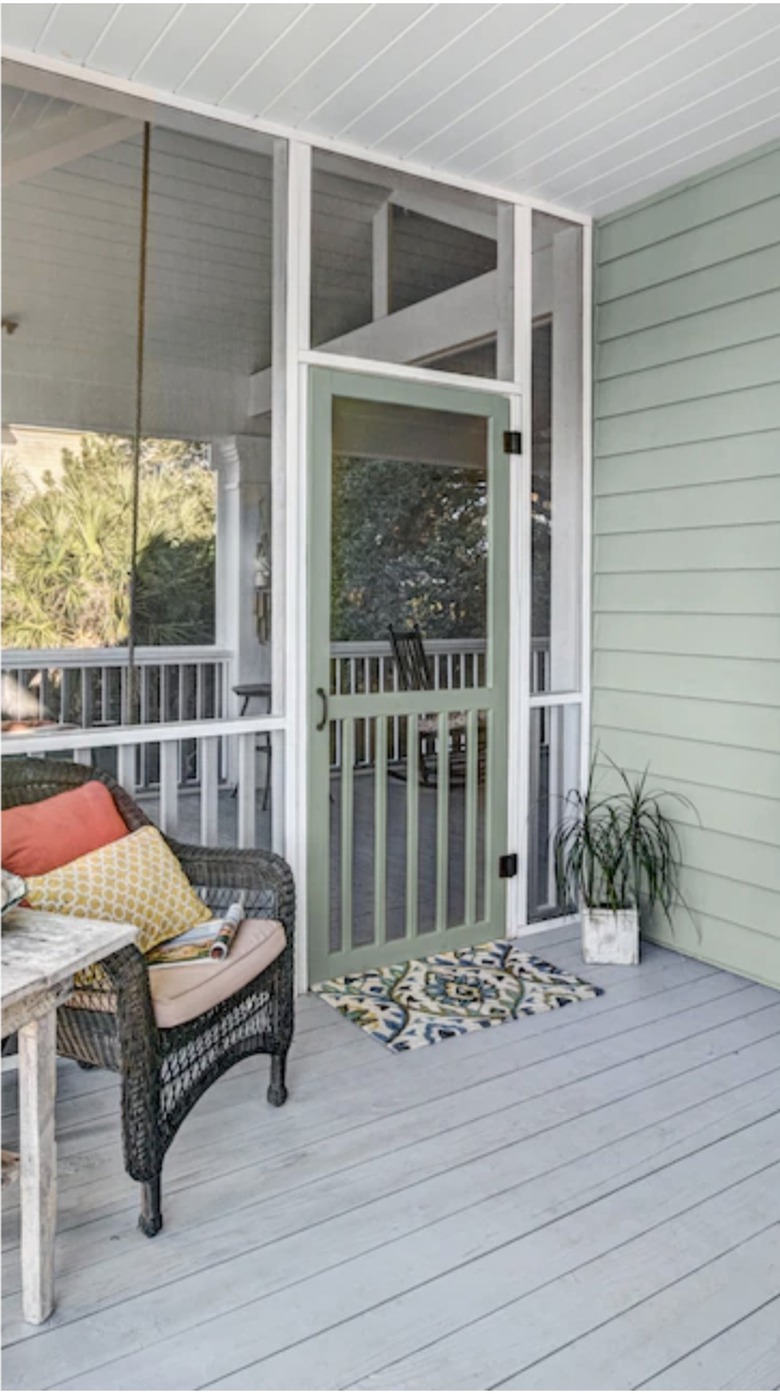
x=165 y=1072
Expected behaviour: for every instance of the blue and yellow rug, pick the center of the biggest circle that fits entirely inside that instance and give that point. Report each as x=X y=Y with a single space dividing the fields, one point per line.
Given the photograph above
x=426 y=1000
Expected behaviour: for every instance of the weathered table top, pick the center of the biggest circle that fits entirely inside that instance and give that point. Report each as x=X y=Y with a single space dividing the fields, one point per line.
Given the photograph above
x=41 y=950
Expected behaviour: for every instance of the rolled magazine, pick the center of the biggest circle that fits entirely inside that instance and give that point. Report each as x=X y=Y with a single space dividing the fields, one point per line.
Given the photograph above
x=204 y=943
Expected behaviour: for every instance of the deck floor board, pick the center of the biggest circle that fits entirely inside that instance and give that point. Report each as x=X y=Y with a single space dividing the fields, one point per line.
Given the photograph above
x=589 y=1198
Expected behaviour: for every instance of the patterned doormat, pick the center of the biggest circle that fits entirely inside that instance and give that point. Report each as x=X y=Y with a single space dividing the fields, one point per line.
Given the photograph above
x=430 y=999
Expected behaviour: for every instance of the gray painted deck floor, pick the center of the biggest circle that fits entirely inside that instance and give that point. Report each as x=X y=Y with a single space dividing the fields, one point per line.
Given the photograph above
x=589 y=1198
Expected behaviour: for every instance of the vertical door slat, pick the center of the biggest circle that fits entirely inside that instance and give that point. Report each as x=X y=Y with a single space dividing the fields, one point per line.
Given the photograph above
x=442 y=817
x=412 y=819
x=347 y=827
x=490 y=852
x=380 y=830
x=470 y=849
x=367 y=721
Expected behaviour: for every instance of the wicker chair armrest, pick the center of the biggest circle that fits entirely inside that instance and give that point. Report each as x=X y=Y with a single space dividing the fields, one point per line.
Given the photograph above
x=243 y=869
x=128 y=974
x=140 y=1058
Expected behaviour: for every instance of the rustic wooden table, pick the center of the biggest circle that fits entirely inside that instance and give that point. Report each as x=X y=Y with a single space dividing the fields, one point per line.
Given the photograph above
x=40 y=955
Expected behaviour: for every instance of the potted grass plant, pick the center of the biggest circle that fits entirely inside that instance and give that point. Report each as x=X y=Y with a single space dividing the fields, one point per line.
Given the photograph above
x=617 y=857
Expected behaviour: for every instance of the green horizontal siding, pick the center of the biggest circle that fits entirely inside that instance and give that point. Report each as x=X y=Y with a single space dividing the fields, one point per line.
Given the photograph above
x=694 y=718
x=699 y=462
x=706 y=375
x=686 y=594
x=690 y=592
x=740 y=680
x=718 y=504
x=739 y=413
x=756 y=547
x=741 y=184
x=743 y=322
x=749 y=274
x=736 y=234
x=732 y=636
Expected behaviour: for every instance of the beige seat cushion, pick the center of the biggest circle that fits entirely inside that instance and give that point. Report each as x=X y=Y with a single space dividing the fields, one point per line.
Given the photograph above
x=180 y=994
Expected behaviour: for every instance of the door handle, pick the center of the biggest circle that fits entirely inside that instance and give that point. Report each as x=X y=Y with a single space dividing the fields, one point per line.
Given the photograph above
x=323 y=721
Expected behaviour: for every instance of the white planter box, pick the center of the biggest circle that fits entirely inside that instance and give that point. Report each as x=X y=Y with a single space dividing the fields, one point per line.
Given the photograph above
x=610 y=936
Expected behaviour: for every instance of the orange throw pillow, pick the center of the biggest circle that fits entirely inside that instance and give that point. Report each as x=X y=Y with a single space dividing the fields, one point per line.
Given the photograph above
x=38 y=837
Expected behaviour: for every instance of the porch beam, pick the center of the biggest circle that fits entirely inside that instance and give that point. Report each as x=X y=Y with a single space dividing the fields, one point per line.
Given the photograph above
x=81 y=132
x=444 y=210
x=442 y=322
x=446 y=204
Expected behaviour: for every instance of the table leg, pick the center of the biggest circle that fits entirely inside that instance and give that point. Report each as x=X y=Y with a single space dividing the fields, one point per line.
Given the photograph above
x=37 y=1086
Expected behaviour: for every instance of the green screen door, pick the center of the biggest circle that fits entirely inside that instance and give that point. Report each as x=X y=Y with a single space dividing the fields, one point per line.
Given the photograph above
x=409 y=621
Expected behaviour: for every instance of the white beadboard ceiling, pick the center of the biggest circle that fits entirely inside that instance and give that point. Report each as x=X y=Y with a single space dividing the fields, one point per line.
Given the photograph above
x=587 y=106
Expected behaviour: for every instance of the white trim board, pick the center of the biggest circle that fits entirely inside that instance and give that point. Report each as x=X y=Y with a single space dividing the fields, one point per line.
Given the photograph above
x=68 y=80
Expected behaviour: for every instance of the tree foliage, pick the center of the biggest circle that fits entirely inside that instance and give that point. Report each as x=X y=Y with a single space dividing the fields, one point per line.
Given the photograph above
x=409 y=544
x=67 y=543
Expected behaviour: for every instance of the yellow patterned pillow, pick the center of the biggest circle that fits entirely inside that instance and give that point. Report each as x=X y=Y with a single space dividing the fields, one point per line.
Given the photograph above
x=136 y=880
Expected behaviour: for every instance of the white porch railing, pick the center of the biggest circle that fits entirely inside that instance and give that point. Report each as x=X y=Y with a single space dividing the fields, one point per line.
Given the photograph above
x=194 y=811
x=207 y=777
x=88 y=688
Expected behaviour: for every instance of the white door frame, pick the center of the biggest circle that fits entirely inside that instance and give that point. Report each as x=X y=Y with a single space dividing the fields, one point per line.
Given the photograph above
x=294 y=367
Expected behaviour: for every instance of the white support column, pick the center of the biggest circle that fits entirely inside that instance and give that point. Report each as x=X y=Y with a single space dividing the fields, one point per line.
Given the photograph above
x=225 y=460
x=587 y=500
x=243 y=465
x=566 y=492
x=517 y=331
x=292 y=248
x=507 y=304
x=566 y=462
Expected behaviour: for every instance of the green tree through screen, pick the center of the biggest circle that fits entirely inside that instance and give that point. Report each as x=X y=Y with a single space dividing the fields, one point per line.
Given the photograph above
x=66 y=547
x=409 y=545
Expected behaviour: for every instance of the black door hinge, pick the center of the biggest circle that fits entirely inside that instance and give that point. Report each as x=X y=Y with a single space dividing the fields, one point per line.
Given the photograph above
x=513 y=442
x=507 y=866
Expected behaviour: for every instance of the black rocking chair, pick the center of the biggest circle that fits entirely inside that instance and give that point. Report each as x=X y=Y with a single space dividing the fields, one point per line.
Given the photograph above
x=415 y=675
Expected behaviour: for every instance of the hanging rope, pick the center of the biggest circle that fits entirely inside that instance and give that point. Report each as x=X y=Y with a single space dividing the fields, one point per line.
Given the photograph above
x=128 y=716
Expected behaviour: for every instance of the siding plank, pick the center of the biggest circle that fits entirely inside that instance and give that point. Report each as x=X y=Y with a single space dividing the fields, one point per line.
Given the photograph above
x=740 y=680
x=702 y=462
x=694 y=762
x=733 y=414
x=685 y=718
x=735 y=234
x=720 y=504
x=688 y=549
x=709 y=197
x=735 y=947
x=699 y=592
x=745 y=321
x=750 y=274
x=728 y=636
x=708 y=375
